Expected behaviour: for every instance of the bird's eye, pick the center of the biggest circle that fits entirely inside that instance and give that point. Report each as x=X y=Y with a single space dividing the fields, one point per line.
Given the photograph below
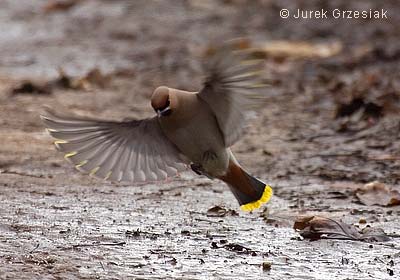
x=166 y=105
x=164 y=111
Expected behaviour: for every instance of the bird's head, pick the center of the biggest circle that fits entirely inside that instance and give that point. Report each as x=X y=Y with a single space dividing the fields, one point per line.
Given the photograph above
x=161 y=101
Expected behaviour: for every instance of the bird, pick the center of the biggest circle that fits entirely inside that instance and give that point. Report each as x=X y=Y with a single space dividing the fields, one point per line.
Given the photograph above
x=190 y=130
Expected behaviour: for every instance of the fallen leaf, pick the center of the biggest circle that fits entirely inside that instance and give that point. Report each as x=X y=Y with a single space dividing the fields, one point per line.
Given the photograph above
x=93 y=78
x=239 y=249
x=28 y=87
x=63 y=81
x=374 y=234
x=57 y=6
x=315 y=228
x=384 y=157
x=363 y=99
x=218 y=211
x=298 y=49
x=377 y=193
x=369 y=109
x=234 y=247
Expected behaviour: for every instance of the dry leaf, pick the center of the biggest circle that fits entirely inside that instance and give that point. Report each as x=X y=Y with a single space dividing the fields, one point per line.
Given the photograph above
x=234 y=247
x=218 y=211
x=298 y=49
x=93 y=78
x=377 y=193
x=384 y=157
x=315 y=228
x=56 y=6
x=29 y=87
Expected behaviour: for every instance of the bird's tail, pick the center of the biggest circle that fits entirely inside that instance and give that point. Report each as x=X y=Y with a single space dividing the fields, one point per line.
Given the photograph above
x=250 y=192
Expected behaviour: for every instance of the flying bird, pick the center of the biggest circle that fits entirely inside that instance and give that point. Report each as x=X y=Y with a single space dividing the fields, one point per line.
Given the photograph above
x=190 y=130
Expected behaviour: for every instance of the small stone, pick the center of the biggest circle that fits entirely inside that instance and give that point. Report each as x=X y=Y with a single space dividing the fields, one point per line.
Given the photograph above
x=185 y=232
x=266 y=266
x=362 y=221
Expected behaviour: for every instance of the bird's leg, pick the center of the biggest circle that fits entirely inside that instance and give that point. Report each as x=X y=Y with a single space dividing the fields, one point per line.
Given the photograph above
x=198 y=169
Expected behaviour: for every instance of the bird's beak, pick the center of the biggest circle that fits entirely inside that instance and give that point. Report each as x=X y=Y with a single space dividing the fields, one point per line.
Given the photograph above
x=164 y=112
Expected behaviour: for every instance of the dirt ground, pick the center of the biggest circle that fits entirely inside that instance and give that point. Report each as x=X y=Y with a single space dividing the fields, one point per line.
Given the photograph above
x=331 y=125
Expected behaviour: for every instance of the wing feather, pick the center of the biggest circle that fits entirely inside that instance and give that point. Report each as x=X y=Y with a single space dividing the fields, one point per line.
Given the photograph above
x=233 y=91
x=132 y=151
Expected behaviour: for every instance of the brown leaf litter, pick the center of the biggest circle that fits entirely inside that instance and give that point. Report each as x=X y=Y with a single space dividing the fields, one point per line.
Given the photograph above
x=377 y=193
x=316 y=227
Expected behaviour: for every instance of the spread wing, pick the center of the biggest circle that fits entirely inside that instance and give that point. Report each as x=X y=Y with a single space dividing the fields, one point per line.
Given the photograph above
x=233 y=91
x=132 y=151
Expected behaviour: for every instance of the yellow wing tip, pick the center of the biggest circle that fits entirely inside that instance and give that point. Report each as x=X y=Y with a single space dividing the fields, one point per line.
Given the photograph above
x=82 y=163
x=57 y=143
x=94 y=170
x=266 y=196
x=70 y=154
x=108 y=175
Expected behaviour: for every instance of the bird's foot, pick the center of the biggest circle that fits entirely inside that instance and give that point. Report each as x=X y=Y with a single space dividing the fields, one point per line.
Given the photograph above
x=198 y=169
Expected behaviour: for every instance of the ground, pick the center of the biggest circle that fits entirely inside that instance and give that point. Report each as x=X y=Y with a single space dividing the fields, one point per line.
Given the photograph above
x=330 y=126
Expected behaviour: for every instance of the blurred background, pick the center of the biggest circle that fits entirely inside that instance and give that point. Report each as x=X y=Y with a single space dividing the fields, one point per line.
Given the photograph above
x=331 y=127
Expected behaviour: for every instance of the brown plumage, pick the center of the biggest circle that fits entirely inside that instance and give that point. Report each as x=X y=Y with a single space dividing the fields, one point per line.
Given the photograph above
x=191 y=128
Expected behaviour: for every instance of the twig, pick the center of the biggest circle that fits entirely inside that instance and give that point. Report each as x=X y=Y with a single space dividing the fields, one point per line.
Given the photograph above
x=99 y=244
x=21 y=174
x=34 y=249
x=312 y=138
x=355 y=153
x=384 y=159
x=205 y=220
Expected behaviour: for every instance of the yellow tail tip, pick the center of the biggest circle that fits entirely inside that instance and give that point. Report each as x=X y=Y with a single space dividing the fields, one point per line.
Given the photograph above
x=266 y=196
